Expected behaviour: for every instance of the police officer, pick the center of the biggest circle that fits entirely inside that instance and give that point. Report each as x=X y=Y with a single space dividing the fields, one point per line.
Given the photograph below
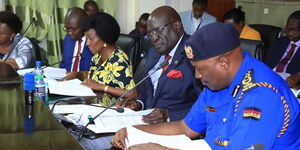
x=244 y=103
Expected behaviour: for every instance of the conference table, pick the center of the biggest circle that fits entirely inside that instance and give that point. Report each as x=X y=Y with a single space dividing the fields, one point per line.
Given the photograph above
x=34 y=127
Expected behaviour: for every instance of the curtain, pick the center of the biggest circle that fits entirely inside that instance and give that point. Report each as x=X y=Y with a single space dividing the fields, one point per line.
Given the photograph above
x=50 y=20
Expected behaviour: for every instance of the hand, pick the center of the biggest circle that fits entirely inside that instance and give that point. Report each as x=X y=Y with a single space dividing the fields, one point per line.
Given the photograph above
x=119 y=139
x=156 y=116
x=147 y=146
x=69 y=76
x=293 y=80
x=131 y=104
x=92 y=84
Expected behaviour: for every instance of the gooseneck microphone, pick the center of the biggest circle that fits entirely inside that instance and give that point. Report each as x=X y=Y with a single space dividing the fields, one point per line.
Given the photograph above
x=119 y=109
x=18 y=40
x=161 y=65
x=80 y=55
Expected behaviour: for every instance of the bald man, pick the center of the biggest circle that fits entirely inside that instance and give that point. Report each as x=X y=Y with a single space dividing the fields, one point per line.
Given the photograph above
x=173 y=88
x=76 y=55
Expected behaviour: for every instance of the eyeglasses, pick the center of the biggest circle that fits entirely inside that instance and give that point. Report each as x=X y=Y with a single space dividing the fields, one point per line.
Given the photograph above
x=71 y=29
x=158 y=31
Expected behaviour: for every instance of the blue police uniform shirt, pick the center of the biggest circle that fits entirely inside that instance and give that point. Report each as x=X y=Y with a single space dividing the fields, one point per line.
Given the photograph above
x=237 y=118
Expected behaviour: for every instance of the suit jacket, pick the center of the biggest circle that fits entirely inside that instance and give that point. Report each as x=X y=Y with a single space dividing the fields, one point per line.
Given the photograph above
x=68 y=51
x=176 y=95
x=276 y=52
x=186 y=19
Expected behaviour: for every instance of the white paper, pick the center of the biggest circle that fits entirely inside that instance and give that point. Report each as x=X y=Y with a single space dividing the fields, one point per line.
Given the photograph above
x=136 y=136
x=69 y=88
x=49 y=72
x=109 y=121
x=55 y=73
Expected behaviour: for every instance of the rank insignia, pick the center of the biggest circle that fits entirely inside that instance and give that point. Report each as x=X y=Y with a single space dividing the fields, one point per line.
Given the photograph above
x=252 y=113
x=248 y=82
x=210 y=109
x=189 y=52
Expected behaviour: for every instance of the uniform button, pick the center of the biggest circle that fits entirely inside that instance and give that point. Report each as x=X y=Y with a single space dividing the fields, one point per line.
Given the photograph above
x=224 y=120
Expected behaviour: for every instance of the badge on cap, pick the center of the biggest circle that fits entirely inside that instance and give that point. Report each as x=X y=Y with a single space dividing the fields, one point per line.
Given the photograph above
x=189 y=52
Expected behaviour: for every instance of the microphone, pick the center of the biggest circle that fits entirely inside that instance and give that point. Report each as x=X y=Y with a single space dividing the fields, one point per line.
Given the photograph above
x=80 y=55
x=161 y=65
x=257 y=146
x=18 y=40
x=119 y=110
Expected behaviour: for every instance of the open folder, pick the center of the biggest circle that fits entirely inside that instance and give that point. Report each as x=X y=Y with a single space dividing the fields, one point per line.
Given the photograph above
x=110 y=121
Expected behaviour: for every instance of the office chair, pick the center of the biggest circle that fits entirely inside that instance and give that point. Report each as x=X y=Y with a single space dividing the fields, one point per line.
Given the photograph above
x=253 y=47
x=268 y=34
x=131 y=46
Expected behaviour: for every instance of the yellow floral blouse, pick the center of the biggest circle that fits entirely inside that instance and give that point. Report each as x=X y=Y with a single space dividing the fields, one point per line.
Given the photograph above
x=116 y=72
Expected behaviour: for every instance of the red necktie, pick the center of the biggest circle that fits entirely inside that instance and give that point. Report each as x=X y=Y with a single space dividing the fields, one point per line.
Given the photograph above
x=167 y=58
x=76 y=62
x=283 y=62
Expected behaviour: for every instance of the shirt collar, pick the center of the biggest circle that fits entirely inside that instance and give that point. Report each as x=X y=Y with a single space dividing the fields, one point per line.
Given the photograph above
x=297 y=43
x=174 y=49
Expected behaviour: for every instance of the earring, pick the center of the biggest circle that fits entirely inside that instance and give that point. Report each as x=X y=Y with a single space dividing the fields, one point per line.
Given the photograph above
x=104 y=45
x=11 y=39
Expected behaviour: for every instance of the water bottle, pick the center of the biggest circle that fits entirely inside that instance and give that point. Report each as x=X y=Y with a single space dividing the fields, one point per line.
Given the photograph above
x=40 y=88
x=29 y=88
x=38 y=70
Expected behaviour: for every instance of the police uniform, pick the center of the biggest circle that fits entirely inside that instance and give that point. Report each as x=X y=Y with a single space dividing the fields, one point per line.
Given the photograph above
x=257 y=109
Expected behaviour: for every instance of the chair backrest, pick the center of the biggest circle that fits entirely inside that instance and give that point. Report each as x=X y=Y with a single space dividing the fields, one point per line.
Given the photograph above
x=268 y=34
x=253 y=47
x=40 y=55
x=131 y=46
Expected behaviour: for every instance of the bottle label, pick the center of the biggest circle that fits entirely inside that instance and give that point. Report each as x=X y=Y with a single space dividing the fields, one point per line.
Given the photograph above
x=40 y=90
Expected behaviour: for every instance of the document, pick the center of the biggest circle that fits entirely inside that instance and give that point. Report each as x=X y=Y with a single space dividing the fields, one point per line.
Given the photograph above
x=49 y=72
x=110 y=121
x=136 y=136
x=69 y=88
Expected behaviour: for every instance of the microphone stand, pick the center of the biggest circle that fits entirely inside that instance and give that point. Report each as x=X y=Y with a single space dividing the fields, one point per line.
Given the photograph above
x=80 y=55
x=161 y=65
x=12 y=49
x=7 y=72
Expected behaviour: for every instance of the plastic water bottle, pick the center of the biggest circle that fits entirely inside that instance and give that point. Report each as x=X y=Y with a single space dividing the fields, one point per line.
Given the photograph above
x=40 y=88
x=38 y=70
x=29 y=88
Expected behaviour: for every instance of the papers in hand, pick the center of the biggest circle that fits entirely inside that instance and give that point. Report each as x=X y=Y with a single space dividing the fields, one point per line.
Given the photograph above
x=136 y=136
x=69 y=88
x=49 y=72
x=109 y=121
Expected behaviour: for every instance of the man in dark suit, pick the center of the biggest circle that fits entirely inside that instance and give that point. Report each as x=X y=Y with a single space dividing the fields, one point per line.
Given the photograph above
x=284 y=54
x=75 y=43
x=173 y=88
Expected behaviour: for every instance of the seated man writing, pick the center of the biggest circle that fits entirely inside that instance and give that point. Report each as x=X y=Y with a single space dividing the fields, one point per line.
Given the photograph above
x=244 y=102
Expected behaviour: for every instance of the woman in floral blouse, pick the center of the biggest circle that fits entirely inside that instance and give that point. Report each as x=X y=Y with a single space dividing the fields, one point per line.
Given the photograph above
x=111 y=70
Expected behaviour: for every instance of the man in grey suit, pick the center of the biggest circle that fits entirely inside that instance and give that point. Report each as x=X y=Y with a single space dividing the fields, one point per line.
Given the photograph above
x=196 y=18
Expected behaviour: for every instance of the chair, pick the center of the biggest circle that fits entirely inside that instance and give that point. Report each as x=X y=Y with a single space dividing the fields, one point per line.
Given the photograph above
x=40 y=55
x=268 y=34
x=253 y=47
x=131 y=46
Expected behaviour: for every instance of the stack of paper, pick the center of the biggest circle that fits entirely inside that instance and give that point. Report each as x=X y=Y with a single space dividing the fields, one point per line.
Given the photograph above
x=49 y=72
x=69 y=88
x=109 y=121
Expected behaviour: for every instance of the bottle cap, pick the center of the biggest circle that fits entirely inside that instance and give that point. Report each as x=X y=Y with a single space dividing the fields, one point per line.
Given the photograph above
x=29 y=82
x=38 y=63
x=39 y=77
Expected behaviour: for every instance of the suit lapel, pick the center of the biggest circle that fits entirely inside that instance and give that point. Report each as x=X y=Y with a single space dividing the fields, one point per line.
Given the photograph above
x=177 y=58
